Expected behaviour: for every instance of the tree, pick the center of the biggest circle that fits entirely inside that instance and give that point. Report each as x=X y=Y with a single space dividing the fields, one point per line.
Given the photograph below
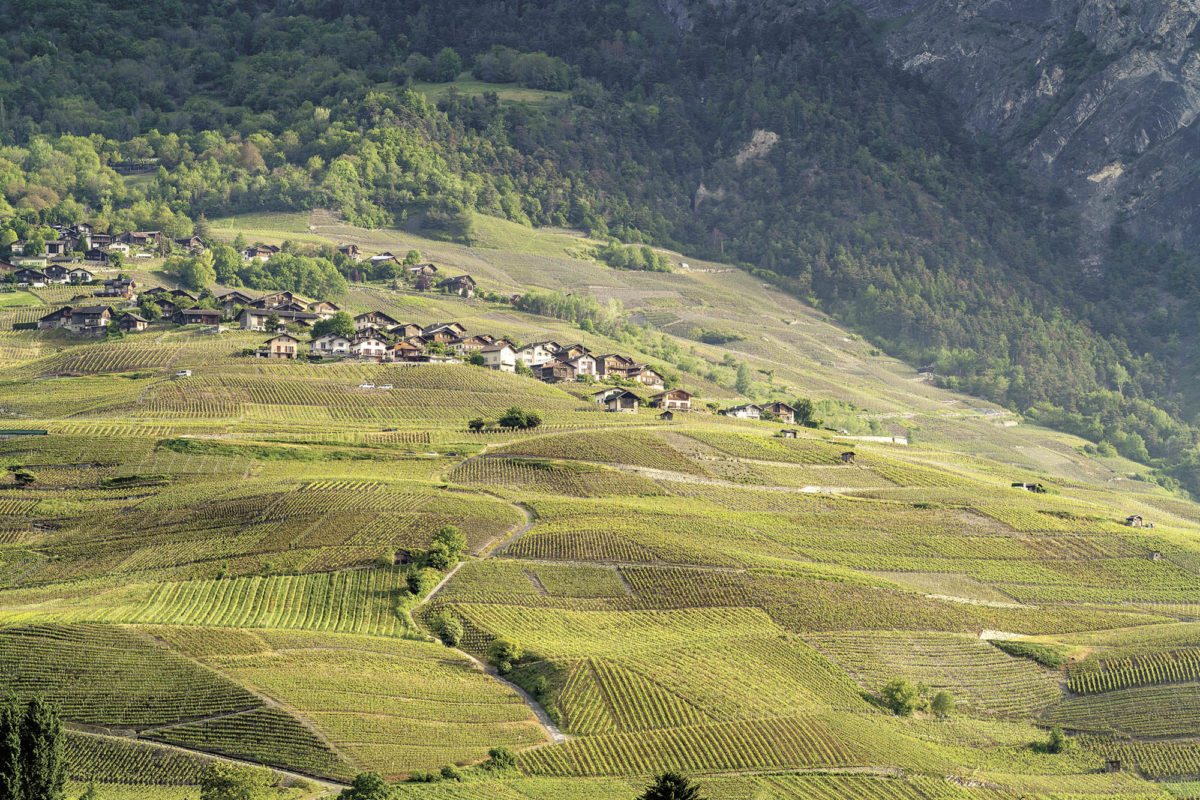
x=43 y=770
x=502 y=653
x=804 y=411
x=671 y=786
x=901 y=697
x=447 y=65
x=1058 y=742
x=450 y=630
x=742 y=383
x=11 y=718
x=224 y=781
x=91 y=793
x=273 y=322
x=476 y=359
x=367 y=786
x=500 y=758
x=196 y=272
x=514 y=417
x=438 y=557
x=340 y=323
x=942 y=704
x=453 y=540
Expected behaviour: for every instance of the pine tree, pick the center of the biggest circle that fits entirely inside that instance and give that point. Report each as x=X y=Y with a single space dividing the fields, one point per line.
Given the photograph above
x=671 y=786
x=42 y=764
x=11 y=718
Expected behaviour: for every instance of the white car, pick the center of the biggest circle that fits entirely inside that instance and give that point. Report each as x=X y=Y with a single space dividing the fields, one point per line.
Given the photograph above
x=366 y=386
x=385 y=386
x=183 y=373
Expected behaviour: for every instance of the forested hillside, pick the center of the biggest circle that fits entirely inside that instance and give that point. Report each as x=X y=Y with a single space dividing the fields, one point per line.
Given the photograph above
x=757 y=133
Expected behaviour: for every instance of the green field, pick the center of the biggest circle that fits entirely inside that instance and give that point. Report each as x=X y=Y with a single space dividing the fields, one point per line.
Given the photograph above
x=218 y=565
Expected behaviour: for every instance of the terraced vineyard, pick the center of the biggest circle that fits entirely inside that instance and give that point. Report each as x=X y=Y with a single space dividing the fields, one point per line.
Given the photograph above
x=236 y=564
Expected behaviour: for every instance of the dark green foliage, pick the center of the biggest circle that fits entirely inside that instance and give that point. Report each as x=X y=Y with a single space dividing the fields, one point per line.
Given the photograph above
x=367 y=786
x=11 y=718
x=1058 y=742
x=500 y=758
x=942 y=704
x=519 y=418
x=1044 y=654
x=503 y=653
x=671 y=786
x=225 y=781
x=341 y=323
x=43 y=771
x=902 y=697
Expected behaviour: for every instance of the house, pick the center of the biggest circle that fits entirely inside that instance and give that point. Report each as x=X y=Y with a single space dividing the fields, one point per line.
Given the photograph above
x=56 y=247
x=101 y=239
x=166 y=306
x=613 y=364
x=556 y=372
x=292 y=306
x=197 y=316
x=405 y=330
x=192 y=243
x=848 y=457
x=423 y=271
x=465 y=345
x=351 y=250
x=331 y=344
x=783 y=412
x=929 y=370
x=230 y=300
x=1134 y=521
x=276 y=300
x=573 y=351
x=117 y=247
x=405 y=350
x=323 y=309
x=463 y=286
x=583 y=364
x=374 y=319
x=130 y=322
x=1036 y=488
x=789 y=433
x=384 y=258
x=31 y=277
x=81 y=275
x=537 y=353
x=96 y=256
x=622 y=401
x=8 y=268
x=118 y=287
x=57 y=273
x=143 y=239
x=500 y=357
x=282 y=346
x=455 y=329
x=667 y=416
x=262 y=252
x=369 y=347
x=1155 y=555
x=673 y=399
x=87 y=320
x=648 y=377
x=256 y=319
x=747 y=411
x=182 y=294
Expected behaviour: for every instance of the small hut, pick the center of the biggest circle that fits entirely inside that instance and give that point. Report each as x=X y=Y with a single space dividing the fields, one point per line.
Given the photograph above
x=848 y=457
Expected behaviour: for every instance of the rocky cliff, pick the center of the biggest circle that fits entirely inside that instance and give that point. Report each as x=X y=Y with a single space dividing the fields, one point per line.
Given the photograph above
x=1098 y=96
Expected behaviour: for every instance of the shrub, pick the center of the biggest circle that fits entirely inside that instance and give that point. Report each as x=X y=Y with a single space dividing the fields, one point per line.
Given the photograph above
x=451 y=773
x=1044 y=654
x=943 y=704
x=1058 y=741
x=420 y=581
x=516 y=417
x=671 y=786
x=502 y=653
x=449 y=629
x=901 y=697
x=500 y=758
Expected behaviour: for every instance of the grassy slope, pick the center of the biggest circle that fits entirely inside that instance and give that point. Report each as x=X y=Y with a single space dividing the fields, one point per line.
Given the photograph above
x=706 y=601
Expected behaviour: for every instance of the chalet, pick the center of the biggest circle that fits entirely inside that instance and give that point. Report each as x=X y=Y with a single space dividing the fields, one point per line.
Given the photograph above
x=154 y=291
x=384 y=258
x=1036 y=488
x=331 y=344
x=374 y=319
x=465 y=345
x=613 y=364
x=262 y=252
x=648 y=377
x=166 y=306
x=747 y=411
x=583 y=364
x=56 y=247
x=197 y=316
x=667 y=416
x=101 y=239
x=928 y=371
x=463 y=286
x=96 y=256
x=8 y=268
x=143 y=239
x=405 y=330
x=256 y=319
x=117 y=247
x=118 y=287
x=783 y=412
x=423 y=270
x=405 y=350
x=532 y=355
x=352 y=251
x=57 y=273
x=293 y=306
x=500 y=357
x=81 y=275
x=182 y=294
x=275 y=300
x=130 y=322
x=789 y=433
x=622 y=401
x=369 y=347
x=573 y=351
x=31 y=277
x=556 y=372
x=192 y=243
x=323 y=309
x=231 y=300
x=848 y=457
x=87 y=320
x=1134 y=521
x=455 y=328
x=282 y=346
x=673 y=399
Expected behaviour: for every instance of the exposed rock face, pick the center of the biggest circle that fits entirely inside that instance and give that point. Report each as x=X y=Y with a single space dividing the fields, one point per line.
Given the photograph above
x=1099 y=96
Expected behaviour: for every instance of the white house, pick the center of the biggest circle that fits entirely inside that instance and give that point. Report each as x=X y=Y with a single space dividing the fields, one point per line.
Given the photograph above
x=368 y=347
x=748 y=411
x=500 y=356
x=331 y=344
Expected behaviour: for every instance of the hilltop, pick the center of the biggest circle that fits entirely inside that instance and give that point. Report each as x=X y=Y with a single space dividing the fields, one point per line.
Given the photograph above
x=229 y=562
